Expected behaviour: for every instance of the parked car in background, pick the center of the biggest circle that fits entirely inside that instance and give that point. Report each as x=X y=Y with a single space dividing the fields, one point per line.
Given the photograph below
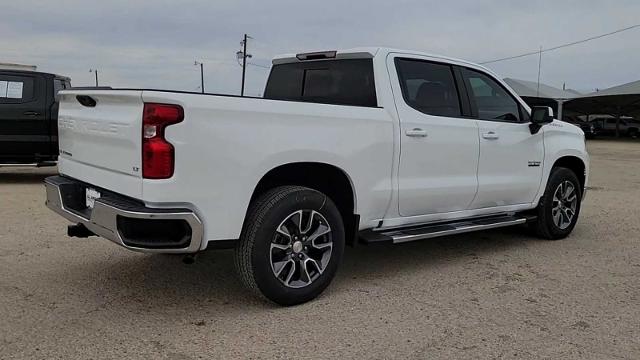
x=589 y=128
x=289 y=179
x=606 y=125
x=29 y=117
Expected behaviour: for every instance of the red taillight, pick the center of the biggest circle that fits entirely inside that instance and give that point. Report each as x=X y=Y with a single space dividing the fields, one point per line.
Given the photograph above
x=157 y=153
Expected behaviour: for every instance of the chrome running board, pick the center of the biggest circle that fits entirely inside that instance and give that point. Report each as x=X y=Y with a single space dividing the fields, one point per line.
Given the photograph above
x=429 y=231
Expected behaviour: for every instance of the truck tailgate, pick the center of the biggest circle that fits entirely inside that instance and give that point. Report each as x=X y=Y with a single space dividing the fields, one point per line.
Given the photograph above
x=102 y=144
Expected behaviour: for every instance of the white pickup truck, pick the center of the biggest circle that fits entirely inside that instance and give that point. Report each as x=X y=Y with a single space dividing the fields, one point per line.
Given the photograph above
x=366 y=145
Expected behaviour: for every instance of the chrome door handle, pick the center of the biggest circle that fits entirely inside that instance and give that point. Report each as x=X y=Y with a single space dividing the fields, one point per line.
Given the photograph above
x=490 y=136
x=416 y=132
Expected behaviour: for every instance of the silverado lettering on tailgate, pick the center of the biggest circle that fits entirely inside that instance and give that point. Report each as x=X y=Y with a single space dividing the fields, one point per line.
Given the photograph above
x=92 y=126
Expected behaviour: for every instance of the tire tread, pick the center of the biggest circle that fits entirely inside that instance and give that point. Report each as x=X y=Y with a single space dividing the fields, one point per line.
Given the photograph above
x=257 y=211
x=543 y=225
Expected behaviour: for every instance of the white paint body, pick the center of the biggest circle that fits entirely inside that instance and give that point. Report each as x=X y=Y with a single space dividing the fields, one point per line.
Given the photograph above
x=227 y=144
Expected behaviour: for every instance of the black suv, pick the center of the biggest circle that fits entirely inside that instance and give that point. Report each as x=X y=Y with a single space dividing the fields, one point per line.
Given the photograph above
x=29 y=116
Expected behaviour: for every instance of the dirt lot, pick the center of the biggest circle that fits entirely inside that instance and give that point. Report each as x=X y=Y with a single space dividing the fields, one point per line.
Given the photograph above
x=496 y=294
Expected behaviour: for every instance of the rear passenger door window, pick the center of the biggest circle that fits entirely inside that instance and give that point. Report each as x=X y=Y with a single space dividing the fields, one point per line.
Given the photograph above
x=429 y=87
x=16 y=89
x=492 y=101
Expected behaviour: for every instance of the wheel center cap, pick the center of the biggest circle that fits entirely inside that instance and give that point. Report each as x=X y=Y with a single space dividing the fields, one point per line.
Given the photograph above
x=297 y=246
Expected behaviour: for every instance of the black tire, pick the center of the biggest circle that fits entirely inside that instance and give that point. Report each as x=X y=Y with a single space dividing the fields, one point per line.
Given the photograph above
x=545 y=226
x=253 y=255
x=633 y=133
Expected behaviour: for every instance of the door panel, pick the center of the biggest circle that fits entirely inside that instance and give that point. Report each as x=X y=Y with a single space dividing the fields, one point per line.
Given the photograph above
x=439 y=148
x=438 y=171
x=510 y=165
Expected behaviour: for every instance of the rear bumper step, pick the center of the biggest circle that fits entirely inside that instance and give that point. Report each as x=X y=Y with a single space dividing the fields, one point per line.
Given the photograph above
x=125 y=221
x=441 y=229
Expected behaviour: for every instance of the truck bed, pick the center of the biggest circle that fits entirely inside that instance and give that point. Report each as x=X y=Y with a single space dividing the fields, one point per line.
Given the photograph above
x=221 y=135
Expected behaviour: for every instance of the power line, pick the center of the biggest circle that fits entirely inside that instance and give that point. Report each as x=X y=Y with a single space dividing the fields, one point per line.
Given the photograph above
x=561 y=46
x=258 y=65
x=219 y=61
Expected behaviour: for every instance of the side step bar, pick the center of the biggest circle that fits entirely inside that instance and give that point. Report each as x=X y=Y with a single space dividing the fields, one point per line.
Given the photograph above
x=414 y=233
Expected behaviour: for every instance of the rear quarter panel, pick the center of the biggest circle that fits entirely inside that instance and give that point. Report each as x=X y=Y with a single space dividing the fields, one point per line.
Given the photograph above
x=226 y=145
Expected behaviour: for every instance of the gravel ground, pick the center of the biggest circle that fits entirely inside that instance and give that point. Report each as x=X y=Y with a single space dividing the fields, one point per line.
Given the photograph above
x=494 y=294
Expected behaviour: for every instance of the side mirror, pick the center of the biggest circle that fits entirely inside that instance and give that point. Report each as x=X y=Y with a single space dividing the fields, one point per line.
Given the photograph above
x=540 y=115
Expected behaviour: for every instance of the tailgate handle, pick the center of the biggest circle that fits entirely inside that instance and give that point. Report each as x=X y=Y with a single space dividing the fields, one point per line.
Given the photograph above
x=86 y=100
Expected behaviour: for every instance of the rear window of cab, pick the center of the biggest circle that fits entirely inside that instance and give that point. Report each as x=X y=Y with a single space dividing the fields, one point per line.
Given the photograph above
x=339 y=82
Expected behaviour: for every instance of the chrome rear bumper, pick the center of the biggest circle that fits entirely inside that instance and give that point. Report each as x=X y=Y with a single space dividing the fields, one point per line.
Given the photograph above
x=110 y=213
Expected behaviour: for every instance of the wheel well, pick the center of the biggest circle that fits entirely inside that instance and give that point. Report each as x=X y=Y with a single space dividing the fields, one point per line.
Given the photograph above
x=574 y=164
x=325 y=178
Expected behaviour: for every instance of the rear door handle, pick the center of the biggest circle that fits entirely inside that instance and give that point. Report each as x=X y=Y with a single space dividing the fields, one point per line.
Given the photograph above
x=490 y=136
x=31 y=113
x=416 y=132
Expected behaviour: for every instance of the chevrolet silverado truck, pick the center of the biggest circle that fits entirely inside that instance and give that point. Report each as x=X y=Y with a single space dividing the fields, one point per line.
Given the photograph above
x=29 y=117
x=367 y=145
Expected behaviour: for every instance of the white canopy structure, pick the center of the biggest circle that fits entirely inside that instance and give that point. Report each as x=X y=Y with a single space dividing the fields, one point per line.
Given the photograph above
x=632 y=88
x=526 y=88
x=542 y=94
x=617 y=101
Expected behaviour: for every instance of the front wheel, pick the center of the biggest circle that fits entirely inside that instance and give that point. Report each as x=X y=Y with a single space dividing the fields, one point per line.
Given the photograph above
x=559 y=207
x=291 y=244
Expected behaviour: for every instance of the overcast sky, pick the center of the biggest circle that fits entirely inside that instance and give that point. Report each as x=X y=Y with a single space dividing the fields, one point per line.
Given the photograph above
x=153 y=44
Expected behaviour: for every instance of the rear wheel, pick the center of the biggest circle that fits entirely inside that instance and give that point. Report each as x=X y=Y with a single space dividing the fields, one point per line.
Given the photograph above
x=559 y=207
x=291 y=244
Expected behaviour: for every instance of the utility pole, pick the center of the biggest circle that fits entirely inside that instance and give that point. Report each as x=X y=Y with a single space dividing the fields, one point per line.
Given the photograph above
x=244 y=63
x=539 y=67
x=196 y=63
x=243 y=54
x=618 y=114
x=95 y=71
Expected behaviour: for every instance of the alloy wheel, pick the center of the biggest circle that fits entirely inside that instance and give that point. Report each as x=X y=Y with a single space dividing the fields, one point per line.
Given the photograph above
x=565 y=202
x=301 y=248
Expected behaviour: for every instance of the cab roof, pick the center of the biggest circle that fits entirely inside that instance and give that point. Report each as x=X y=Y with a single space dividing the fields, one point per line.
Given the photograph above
x=362 y=53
